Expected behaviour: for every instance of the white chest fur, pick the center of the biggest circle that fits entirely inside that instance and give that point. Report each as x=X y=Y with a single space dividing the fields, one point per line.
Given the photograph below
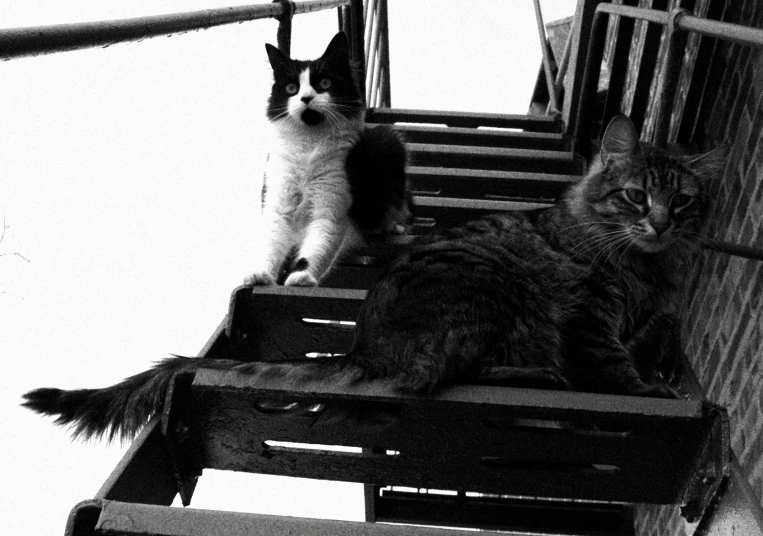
x=306 y=170
x=307 y=200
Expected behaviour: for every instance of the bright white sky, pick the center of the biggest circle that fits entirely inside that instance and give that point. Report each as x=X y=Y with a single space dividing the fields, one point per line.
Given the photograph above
x=129 y=183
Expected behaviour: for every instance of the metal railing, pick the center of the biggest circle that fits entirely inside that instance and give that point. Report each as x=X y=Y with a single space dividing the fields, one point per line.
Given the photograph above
x=677 y=22
x=378 y=94
x=33 y=41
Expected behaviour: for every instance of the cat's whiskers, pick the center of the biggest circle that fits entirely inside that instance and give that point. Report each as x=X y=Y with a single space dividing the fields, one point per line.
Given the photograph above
x=594 y=241
x=563 y=229
x=610 y=245
x=628 y=245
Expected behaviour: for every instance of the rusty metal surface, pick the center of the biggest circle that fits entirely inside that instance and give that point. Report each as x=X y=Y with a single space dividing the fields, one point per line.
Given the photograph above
x=121 y=519
x=32 y=41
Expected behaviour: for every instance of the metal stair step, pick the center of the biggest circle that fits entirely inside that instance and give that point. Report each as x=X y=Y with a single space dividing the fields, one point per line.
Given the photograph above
x=499 y=158
x=609 y=447
x=484 y=137
x=530 y=123
x=488 y=184
x=127 y=519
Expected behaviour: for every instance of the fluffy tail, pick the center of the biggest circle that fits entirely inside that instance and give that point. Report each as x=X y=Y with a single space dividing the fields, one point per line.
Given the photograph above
x=122 y=409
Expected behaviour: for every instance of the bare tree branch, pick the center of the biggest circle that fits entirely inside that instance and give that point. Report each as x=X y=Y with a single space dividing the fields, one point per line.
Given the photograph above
x=13 y=253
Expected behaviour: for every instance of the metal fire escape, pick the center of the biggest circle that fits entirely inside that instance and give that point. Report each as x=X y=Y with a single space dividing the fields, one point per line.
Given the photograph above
x=457 y=458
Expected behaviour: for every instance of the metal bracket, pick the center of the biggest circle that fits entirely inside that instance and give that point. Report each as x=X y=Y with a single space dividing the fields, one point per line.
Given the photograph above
x=713 y=466
x=177 y=437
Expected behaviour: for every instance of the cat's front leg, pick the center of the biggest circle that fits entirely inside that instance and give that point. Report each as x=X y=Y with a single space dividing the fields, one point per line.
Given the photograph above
x=323 y=241
x=278 y=241
x=600 y=361
x=656 y=348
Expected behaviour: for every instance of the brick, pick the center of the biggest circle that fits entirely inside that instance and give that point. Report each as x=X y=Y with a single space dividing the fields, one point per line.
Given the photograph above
x=743 y=135
x=757 y=285
x=748 y=232
x=747 y=274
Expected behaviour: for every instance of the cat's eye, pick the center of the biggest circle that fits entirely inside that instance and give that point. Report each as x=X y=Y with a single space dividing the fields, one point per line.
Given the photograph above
x=635 y=195
x=324 y=83
x=292 y=88
x=680 y=201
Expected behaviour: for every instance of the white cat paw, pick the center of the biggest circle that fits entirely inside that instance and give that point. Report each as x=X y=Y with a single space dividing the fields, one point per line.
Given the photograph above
x=301 y=279
x=396 y=229
x=259 y=278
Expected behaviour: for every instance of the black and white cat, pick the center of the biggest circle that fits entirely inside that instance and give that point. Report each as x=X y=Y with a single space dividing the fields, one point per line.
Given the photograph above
x=330 y=180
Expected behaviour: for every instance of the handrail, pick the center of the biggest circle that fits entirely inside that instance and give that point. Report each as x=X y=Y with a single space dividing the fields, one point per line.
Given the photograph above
x=679 y=20
x=33 y=41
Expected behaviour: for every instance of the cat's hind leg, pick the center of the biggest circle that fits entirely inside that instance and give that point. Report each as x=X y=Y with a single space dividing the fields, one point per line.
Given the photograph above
x=527 y=377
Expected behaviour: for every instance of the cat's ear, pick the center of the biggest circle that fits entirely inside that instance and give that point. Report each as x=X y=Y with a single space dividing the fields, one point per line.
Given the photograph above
x=338 y=48
x=619 y=139
x=278 y=60
x=711 y=164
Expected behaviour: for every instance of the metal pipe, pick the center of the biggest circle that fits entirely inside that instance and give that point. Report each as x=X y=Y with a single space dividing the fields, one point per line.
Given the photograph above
x=743 y=35
x=564 y=64
x=671 y=71
x=33 y=41
x=373 y=55
x=358 y=44
x=591 y=72
x=650 y=15
x=553 y=107
x=737 y=250
x=283 y=34
x=691 y=23
x=369 y=15
x=386 y=98
x=712 y=28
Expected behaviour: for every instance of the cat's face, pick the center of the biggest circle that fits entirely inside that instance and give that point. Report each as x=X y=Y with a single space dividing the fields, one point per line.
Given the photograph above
x=312 y=93
x=646 y=198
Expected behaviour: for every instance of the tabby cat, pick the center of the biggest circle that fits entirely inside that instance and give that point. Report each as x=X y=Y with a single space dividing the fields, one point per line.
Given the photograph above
x=330 y=180
x=583 y=295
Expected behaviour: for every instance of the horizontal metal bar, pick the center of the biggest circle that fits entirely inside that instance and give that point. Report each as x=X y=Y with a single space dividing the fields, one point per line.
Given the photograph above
x=535 y=123
x=33 y=41
x=125 y=519
x=523 y=403
x=690 y=23
x=650 y=15
x=488 y=205
x=737 y=250
x=722 y=30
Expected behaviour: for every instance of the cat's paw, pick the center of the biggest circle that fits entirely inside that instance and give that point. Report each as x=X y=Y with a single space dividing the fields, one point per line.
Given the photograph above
x=260 y=277
x=301 y=279
x=395 y=228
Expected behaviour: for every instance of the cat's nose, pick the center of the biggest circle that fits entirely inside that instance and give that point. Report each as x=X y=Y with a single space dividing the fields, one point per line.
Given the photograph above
x=660 y=227
x=307 y=99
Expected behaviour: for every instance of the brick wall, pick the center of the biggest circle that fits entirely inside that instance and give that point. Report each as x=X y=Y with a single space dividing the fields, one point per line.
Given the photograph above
x=720 y=102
